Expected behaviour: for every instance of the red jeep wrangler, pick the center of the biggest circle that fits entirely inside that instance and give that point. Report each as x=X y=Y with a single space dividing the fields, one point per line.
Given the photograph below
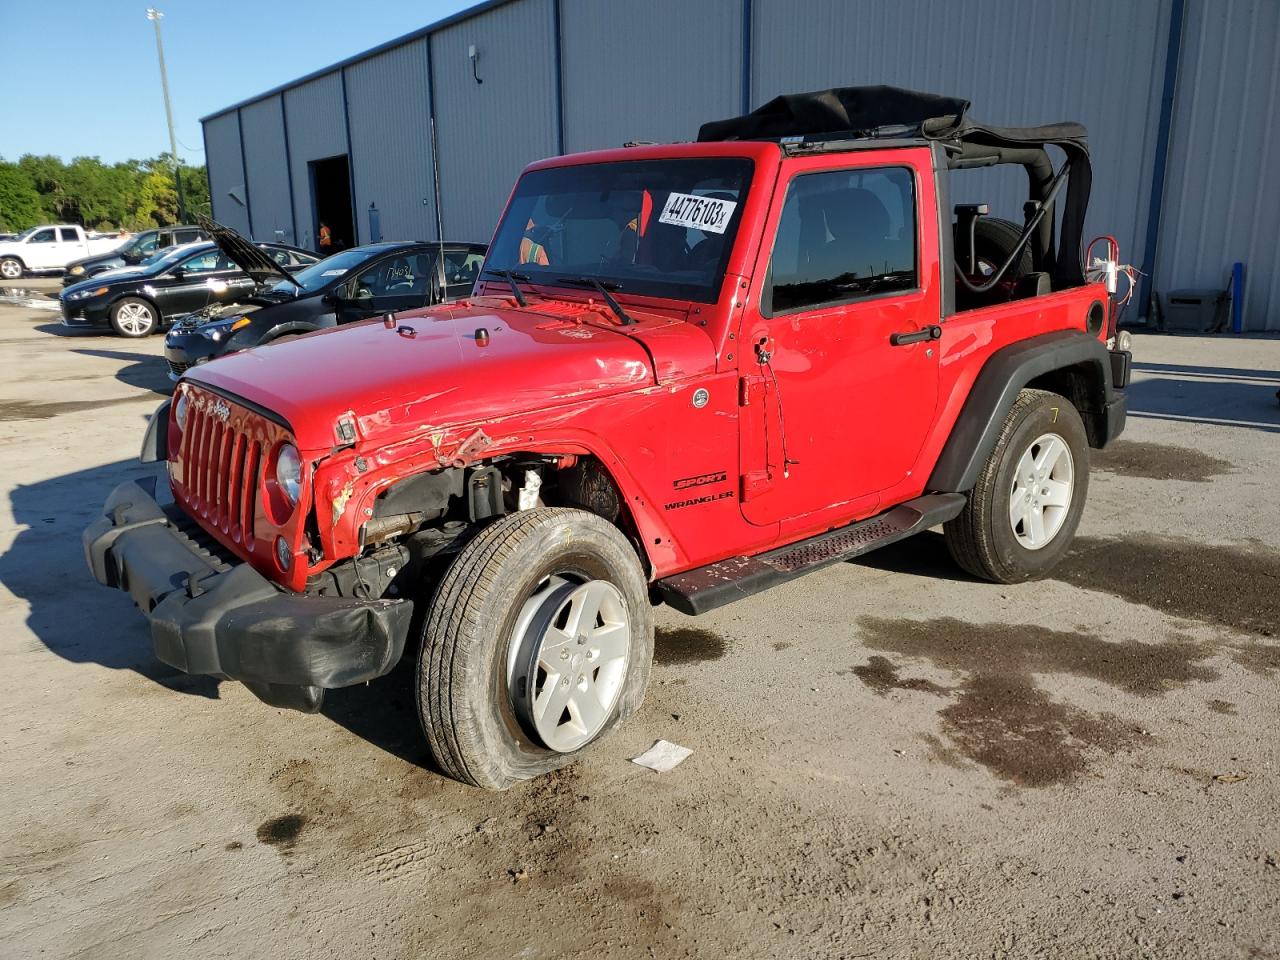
x=690 y=372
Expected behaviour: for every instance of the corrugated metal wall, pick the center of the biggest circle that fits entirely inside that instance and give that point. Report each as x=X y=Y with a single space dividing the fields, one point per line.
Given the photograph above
x=656 y=70
x=389 y=105
x=1021 y=62
x=267 y=167
x=622 y=59
x=226 y=170
x=489 y=131
x=1222 y=196
x=317 y=129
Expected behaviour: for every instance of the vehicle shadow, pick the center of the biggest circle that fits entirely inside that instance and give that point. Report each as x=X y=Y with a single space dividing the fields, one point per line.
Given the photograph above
x=83 y=622
x=384 y=713
x=1222 y=396
x=146 y=372
x=68 y=611
x=924 y=555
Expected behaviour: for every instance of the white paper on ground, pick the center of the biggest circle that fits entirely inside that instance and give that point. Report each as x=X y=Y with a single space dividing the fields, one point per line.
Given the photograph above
x=662 y=756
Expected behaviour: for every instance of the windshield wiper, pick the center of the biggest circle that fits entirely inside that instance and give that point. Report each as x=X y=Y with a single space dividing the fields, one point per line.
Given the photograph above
x=511 y=277
x=603 y=289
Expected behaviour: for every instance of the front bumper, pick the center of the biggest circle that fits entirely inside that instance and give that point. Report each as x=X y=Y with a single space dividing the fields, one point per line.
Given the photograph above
x=184 y=348
x=85 y=314
x=222 y=618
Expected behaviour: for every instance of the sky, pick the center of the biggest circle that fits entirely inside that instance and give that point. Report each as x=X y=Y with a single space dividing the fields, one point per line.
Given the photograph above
x=88 y=81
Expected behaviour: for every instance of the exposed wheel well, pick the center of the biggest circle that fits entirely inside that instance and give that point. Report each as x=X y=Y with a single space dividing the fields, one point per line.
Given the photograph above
x=1085 y=386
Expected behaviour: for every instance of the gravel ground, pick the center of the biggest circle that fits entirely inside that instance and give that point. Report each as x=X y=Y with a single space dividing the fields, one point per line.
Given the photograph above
x=890 y=760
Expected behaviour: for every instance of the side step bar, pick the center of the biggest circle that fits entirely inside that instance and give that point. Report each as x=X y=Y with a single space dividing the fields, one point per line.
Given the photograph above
x=705 y=588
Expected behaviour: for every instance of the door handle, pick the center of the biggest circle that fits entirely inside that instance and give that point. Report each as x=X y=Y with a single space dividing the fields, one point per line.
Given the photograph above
x=932 y=332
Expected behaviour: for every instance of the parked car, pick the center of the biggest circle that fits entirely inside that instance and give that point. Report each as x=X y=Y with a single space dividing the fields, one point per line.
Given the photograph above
x=136 y=301
x=135 y=250
x=49 y=248
x=520 y=475
x=354 y=284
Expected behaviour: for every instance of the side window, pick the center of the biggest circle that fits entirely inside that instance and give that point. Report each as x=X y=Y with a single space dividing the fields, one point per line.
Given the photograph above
x=406 y=275
x=210 y=262
x=843 y=235
x=281 y=257
x=42 y=236
x=69 y=235
x=461 y=268
x=304 y=258
x=187 y=236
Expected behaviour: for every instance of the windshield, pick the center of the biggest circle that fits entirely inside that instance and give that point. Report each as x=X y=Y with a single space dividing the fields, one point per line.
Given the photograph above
x=323 y=273
x=660 y=228
x=26 y=233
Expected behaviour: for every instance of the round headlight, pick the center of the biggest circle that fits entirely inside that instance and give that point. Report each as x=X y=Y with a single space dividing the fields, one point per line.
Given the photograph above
x=77 y=270
x=289 y=472
x=180 y=412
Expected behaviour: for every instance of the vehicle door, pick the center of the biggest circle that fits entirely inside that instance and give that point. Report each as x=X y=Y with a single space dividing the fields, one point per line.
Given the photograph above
x=836 y=407
x=200 y=280
x=41 y=250
x=402 y=281
x=71 y=245
x=461 y=270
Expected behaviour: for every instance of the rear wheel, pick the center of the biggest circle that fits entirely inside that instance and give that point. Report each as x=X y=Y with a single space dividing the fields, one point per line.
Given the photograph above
x=1023 y=512
x=537 y=642
x=11 y=268
x=134 y=317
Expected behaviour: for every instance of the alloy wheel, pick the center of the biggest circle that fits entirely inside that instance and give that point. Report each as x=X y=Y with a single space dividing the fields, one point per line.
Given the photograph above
x=1040 y=495
x=135 y=319
x=568 y=660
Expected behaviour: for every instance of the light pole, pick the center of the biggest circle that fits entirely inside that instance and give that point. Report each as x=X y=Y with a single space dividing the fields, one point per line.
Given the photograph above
x=155 y=16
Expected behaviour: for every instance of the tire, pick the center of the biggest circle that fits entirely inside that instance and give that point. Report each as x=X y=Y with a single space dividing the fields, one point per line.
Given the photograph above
x=11 y=268
x=478 y=683
x=134 y=317
x=993 y=241
x=995 y=536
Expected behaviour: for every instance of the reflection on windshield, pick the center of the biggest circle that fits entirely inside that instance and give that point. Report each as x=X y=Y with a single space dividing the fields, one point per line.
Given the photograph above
x=660 y=228
x=324 y=272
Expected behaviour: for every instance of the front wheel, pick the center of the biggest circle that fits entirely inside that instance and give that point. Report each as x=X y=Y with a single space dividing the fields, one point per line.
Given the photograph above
x=11 y=268
x=1023 y=512
x=134 y=317
x=537 y=642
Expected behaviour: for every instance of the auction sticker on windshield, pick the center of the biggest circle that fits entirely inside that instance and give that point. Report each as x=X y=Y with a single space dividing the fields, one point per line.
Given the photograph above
x=700 y=213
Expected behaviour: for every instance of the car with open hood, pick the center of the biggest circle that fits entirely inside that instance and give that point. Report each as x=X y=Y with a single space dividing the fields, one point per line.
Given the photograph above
x=355 y=284
x=138 y=248
x=690 y=372
x=139 y=300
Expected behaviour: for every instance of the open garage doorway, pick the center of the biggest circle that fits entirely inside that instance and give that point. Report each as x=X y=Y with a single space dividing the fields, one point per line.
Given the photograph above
x=331 y=201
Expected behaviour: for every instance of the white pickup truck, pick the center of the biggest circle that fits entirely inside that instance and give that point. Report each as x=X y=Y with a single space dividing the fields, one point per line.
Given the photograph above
x=49 y=248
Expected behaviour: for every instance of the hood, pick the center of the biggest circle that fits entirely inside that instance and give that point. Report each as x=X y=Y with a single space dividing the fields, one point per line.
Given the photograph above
x=442 y=374
x=104 y=278
x=251 y=259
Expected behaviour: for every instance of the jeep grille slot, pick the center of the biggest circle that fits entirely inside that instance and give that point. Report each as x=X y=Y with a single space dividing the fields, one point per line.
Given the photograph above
x=222 y=474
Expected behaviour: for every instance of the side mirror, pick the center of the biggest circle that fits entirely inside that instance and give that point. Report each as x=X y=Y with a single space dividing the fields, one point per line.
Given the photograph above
x=177 y=273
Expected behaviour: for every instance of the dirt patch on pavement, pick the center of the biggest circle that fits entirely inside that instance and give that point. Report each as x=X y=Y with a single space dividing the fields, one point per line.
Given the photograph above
x=35 y=410
x=881 y=675
x=999 y=717
x=1223 y=706
x=1234 y=586
x=282 y=831
x=1158 y=461
x=687 y=645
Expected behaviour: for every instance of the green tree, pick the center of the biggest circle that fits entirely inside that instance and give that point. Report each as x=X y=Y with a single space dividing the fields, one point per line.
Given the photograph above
x=19 y=201
x=135 y=194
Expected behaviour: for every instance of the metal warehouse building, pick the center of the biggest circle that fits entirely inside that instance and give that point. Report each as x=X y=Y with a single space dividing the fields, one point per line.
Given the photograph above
x=1179 y=96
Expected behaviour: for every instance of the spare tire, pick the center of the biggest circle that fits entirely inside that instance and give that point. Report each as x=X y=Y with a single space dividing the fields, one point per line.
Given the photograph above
x=993 y=241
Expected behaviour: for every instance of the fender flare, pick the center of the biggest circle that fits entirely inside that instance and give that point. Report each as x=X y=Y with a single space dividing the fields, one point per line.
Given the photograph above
x=1008 y=371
